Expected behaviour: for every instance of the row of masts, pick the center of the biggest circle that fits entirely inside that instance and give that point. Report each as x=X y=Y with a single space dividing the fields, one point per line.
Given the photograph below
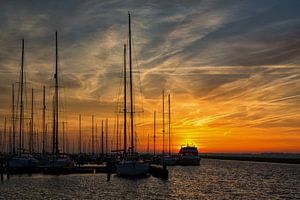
x=55 y=124
x=94 y=136
x=163 y=127
x=93 y=140
x=21 y=148
x=38 y=142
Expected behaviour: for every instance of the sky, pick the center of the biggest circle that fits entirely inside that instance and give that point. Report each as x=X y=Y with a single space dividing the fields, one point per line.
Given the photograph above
x=232 y=68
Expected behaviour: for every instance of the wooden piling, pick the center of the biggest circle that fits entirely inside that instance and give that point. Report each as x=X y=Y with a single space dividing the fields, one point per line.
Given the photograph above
x=108 y=168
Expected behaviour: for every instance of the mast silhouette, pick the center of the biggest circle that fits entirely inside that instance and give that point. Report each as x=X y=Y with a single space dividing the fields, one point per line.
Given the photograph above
x=63 y=137
x=154 y=133
x=21 y=99
x=13 y=119
x=169 y=103
x=79 y=144
x=56 y=96
x=96 y=139
x=117 y=130
x=53 y=135
x=163 y=122
x=4 y=137
x=31 y=126
x=106 y=136
x=8 y=140
x=125 y=99
x=44 y=119
x=131 y=87
x=102 y=139
x=93 y=135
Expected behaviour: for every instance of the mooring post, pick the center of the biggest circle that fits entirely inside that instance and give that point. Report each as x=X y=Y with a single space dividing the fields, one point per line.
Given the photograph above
x=108 y=167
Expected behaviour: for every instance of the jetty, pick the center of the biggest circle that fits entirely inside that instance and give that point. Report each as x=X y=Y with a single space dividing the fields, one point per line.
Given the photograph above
x=272 y=158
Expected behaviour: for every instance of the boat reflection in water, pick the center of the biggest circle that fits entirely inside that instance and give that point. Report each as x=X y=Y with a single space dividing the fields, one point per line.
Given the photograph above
x=188 y=155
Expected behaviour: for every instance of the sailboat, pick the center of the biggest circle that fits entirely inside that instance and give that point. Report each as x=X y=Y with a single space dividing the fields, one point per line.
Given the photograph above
x=131 y=165
x=22 y=162
x=57 y=163
x=169 y=160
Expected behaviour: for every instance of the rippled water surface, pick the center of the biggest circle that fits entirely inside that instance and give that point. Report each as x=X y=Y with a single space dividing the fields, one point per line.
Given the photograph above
x=214 y=179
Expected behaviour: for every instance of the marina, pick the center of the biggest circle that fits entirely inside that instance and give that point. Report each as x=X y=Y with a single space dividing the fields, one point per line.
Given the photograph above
x=149 y=99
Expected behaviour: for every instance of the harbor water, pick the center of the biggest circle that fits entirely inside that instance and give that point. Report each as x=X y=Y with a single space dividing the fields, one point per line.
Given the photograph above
x=213 y=179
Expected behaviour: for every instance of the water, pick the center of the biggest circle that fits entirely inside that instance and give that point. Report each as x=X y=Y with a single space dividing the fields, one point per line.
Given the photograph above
x=214 y=179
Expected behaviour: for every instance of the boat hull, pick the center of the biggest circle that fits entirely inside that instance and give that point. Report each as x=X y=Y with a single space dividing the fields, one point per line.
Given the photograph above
x=132 y=169
x=23 y=164
x=58 y=165
x=188 y=161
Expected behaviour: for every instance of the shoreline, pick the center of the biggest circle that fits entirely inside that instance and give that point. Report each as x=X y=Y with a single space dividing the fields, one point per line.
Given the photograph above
x=255 y=158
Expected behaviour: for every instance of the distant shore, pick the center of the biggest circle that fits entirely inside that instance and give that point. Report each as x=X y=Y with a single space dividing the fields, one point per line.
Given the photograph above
x=266 y=157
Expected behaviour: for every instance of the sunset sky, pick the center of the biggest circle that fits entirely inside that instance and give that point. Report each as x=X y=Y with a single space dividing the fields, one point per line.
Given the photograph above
x=232 y=67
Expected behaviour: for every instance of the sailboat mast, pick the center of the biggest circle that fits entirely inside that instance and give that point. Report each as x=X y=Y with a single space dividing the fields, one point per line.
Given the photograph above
x=63 y=137
x=10 y=140
x=96 y=138
x=13 y=119
x=21 y=99
x=79 y=144
x=102 y=141
x=169 y=103
x=117 y=130
x=163 y=123
x=44 y=118
x=4 y=137
x=56 y=95
x=154 y=133
x=125 y=102
x=31 y=125
x=106 y=137
x=53 y=134
x=93 y=134
x=131 y=87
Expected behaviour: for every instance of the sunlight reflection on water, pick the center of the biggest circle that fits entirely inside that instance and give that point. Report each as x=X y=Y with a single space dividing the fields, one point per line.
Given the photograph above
x=214 y=179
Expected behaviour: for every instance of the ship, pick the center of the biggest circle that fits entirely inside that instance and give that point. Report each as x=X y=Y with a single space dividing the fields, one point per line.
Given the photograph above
x=188 y=155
